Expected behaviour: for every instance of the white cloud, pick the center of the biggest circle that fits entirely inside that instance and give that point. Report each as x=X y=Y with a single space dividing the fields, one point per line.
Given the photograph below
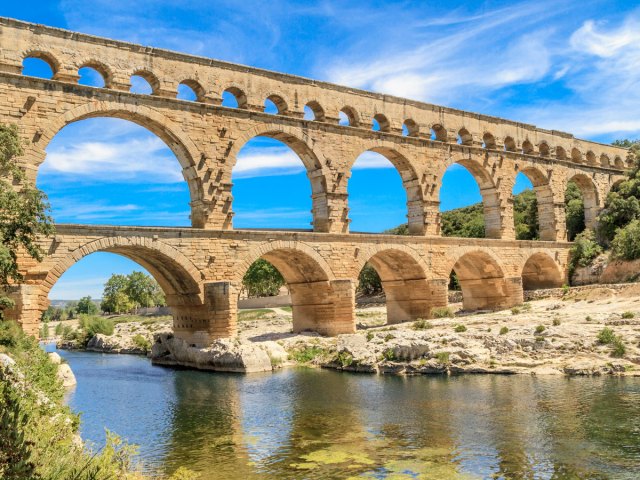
x=267 y=161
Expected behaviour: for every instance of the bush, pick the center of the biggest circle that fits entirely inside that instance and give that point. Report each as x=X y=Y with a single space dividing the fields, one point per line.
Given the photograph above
x=618 y=348
x=504 y=331
x=460 y=329
x=442 y=312
x=141 y=342
x=370 y=336
x=584 y=250
x=625 y=244
x=540 y=329
x=421 y=325
x=307 y=354
x=606 y=336
x=628 y=315
x=345 y=359
x=389 y=355
x=556 y=322
x=58 y=329
x=443 y=357
x=96 y=325
x=516 y=311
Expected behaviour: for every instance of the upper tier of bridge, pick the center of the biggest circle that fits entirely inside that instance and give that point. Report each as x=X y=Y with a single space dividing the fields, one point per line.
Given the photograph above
x=67 y=52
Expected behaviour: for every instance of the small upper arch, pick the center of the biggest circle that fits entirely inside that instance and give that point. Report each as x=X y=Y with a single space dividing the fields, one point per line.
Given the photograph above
x=464 y=137
x=149 y=77
x=234 y=97
x=195 y=87
x=576 y=155
x=618 y=162
x=316 y=110
x=348 y=116
x=46 y=57
x=280 y=103
x=410 y=128
x=543 y=148
x=591 y=158
x=561 y=153
x=509 y=144
x=605 y=161
x=438 y=132
x=381 y=122
x=488 y=141
x=527 y=147
x=102 y=69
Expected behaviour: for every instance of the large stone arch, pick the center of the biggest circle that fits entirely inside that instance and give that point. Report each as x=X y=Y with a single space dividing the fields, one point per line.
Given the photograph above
x=401 y=160
x=545 y=199
x=409 y=294
x=179 y=278
x=590 y=197
x=180 y=144
x=540 y=270
x=483 y=281
x=317 y=174
x=320 y=303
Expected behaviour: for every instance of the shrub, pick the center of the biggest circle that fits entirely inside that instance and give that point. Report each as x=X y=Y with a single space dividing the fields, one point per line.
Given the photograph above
x=618 y=348
x=460 y=329
x=565 y=289
x=516 y=311
x=307 y=354
x=540 y=329
x=443 y=357
x=345 y=359
x=504 y=331
x=421 y=324
x=389 y=336
x=96 y=325
x=442 y=312
x=389 y=355
x=539 y=339
x=588 y=318
x=625 y=244
x=628 y=315
x=606 y=336
x=584 y=250
x=141 y=342
x=556 y=322
x=370 y=336
x=58 y=329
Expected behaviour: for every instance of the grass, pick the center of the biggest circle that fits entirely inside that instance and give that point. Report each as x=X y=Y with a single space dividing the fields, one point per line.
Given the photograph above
x=628 y=315
x=255 y=314
x=421 y=324
x=540 y=329
x=345 y=359
x=141 y=342
x=556 y=322
x=370 y=336
x=307 y=354
x=443 y=358
x=389 y=336
x=460 y=329
x=442 y=312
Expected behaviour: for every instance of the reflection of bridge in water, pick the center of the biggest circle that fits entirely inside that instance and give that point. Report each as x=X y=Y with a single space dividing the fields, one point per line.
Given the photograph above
x=200 y=268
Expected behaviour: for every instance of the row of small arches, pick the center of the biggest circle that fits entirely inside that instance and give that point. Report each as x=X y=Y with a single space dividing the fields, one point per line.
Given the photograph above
x=96 y=74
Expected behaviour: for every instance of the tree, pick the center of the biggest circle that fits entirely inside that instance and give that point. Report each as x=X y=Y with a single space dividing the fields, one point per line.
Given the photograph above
x=574 y=211
x=87 y=306
x=369 y=282
x=143 y=290
x=115 y=298
x=262 y=279
x=24 y=215
x=525 y=212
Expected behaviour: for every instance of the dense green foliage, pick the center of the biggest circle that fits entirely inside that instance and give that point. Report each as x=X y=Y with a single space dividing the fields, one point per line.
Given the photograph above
x=584 y=250
x=23 y=213
x=467 y=222
x=574 y=211
x=124 y=293
x=262 y=279
x=86 y=306
x=626 y=243
x=369 y=282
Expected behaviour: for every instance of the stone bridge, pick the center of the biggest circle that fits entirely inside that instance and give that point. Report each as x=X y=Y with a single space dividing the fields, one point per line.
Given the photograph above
x=200 y=267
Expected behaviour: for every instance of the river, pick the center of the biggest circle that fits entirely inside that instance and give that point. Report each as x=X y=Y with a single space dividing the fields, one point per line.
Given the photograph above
x=318 y=424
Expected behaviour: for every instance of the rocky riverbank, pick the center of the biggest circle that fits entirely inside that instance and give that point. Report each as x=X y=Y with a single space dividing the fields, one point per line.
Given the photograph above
x=585 y=331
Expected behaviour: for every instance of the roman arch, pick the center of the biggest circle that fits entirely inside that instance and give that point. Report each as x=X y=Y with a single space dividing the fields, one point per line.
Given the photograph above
x=200 y=267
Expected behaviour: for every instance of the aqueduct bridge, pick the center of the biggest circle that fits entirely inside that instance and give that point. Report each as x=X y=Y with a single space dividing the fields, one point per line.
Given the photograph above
x=200 y=268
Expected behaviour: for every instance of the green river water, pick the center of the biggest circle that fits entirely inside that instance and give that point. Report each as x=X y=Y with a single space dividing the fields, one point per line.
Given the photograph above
x=317 y=424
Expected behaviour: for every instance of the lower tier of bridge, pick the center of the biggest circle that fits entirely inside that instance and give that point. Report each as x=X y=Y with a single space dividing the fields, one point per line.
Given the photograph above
x=201 y=272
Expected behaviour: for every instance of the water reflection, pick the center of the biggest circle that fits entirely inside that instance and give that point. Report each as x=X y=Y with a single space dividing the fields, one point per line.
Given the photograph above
x=318 y=424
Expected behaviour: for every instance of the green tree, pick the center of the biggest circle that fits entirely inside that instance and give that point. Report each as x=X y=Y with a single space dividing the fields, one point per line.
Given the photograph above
x=525 y=212
x=115 y=298
x=574 y=210
x=143 y=290
x=24 y=214
x=626 y=243
x=262 y=279
x=369 y=282
x=584 y=250
x=87 y=306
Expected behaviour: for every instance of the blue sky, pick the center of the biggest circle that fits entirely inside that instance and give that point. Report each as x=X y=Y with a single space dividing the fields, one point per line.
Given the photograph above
x=566 y=65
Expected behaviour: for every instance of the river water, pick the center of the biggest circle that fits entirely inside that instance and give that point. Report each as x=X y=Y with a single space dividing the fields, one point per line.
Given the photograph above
x=317 y=424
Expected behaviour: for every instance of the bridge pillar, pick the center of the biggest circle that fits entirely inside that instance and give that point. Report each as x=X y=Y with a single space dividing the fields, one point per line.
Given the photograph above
x=28 y=307
x=326 y=307
x=492 y=293
x=409 y=300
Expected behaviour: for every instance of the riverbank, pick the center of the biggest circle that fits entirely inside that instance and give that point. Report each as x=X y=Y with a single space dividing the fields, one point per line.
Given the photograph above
x=583 y=331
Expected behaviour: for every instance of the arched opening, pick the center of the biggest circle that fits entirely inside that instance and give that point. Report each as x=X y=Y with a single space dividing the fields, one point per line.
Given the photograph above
x=348 y=117
x=543 y=148
x=177 y=287
x=190 y=90
x=114 y=171
x=527 y=147
x=410 y=128
x=576 y=155
x=509 y=144
x=489 y=141
x=591 y=158
x=469 y=202
x=275 y=105
x=533 y=209
x=316 y=298
x=438 y=133
x=233 y=97
x=273 y=187
x=481 y=280
x=605 y=161
x=406 y=289
x=618 y=162
x=39 y=64
x=541 y=271
x=314 y=111
x=92 y=76
x=144 y=83
x=581 y=203
x=464 y=137
x=380 y=123
x=561 y=153
x=380 y=189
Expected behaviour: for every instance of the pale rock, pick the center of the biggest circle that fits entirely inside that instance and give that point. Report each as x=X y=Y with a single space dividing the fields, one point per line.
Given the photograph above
x=66 y=375
x=54 y=358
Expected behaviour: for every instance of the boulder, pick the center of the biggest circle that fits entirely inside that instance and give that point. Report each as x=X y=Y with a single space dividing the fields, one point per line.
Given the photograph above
x=54 y=358
x=223 y=355
x=66 y=375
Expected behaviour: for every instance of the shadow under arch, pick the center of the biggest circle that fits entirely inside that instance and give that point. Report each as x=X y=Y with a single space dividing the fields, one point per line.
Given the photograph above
x=544 y=198
x=178 y=142
x=410 y=183
x=320 y=303
x=315 y=172
x=482 y=281
x=176 y=274
x=541 y=271
x=404 y=281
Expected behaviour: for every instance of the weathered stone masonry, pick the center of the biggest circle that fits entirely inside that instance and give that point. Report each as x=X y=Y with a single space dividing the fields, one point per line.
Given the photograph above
x=200 y=268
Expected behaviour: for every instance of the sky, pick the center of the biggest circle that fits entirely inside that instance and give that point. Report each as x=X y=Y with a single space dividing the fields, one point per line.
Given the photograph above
x=564 y=65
